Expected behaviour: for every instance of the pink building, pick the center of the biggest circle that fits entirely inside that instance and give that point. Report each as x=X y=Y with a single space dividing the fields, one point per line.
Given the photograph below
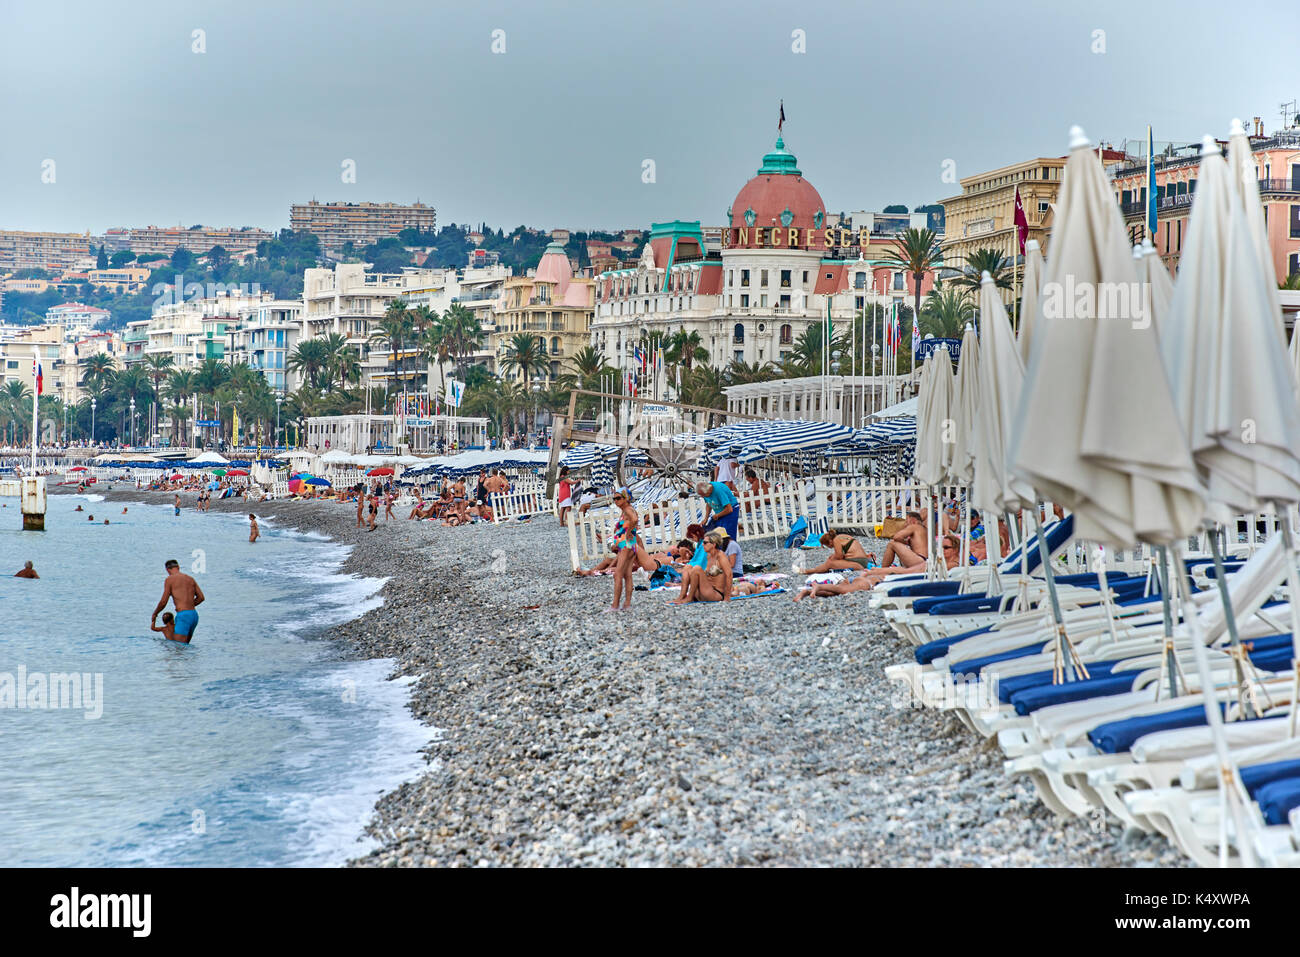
x=1277 y=160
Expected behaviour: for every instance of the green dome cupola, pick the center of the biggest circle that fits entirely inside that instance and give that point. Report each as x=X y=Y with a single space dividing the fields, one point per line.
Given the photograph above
x=780 y=161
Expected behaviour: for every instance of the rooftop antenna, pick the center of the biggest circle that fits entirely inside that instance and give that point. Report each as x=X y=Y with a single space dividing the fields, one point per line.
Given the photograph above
x=1290 y=115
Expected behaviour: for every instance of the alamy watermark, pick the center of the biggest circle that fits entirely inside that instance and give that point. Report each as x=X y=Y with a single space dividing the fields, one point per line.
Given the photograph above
x=178 y=291
x=1098 y=300
x=47 y=691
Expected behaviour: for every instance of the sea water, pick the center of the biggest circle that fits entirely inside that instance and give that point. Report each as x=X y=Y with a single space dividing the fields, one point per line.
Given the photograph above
x=257 y=744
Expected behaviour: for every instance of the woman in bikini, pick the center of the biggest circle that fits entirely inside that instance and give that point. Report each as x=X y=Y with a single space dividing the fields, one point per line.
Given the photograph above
x=625 y=541
x=846 y=553
x=713 y=581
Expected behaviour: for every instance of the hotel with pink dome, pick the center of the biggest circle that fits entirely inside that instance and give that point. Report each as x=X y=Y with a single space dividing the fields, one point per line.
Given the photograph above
x=552 y=304
x=783 y=262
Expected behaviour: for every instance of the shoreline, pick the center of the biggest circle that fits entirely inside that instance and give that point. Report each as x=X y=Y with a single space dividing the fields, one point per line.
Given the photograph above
x=760 y=733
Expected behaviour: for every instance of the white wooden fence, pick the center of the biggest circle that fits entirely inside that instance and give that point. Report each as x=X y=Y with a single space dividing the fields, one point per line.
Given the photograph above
x=530 y=499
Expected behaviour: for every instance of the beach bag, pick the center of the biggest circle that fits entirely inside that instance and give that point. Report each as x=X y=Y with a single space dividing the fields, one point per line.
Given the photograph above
x=665 y=575
x=891 y=526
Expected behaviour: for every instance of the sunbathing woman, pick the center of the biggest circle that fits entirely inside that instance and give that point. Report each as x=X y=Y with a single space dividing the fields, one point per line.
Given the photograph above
x=861 y=582
x=846 y=553
x=711 y=583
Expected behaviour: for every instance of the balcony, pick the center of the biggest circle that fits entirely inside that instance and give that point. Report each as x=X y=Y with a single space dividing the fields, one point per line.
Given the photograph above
x=1163 y=205
x=1279 y=186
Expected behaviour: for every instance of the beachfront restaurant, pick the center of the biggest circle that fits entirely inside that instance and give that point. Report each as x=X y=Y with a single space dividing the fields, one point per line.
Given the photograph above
x=361 y=433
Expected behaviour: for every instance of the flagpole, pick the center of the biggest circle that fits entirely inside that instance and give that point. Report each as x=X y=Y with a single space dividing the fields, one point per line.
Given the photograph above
x=36 y=398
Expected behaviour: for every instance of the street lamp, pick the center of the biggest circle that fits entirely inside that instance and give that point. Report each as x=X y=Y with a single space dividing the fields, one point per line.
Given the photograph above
x=278 y=399
x=92 y=421
x=133 y=421
x=537 y=394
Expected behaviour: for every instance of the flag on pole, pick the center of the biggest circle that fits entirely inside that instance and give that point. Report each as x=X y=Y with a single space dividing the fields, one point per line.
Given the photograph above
x=781 y=120
x=1022 y=224
x=916 y=336
x=455 y=393
x=1152 y=206
x=38 y=375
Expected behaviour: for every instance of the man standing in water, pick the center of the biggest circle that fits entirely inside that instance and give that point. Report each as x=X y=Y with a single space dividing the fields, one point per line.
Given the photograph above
x=185 y=594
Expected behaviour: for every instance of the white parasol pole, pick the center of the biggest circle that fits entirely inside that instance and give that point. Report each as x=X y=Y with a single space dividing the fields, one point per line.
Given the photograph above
x=1227 y=777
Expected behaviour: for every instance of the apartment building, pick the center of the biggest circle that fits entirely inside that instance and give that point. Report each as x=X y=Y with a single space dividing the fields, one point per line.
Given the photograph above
x=35 y=250
x=349 y=300
x=198 y=239
x=361 y=224
x=264 y=338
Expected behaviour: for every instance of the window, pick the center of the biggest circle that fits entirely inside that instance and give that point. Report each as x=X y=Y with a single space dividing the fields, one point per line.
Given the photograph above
x=762 y=301
x=860 y=302
x=787 y=332
x=762 y=278
x=805 y=277
x=555 y=345
x=898 y=281
x=738 y=334
x=785 y=278
x=744 y=300
x=1295 y=222
x=731 y=277
x=1293 y=264
x=739 y=355
x=744 y=277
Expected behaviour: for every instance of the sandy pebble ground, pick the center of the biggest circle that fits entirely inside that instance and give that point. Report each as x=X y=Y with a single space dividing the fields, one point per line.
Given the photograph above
x=762 y=732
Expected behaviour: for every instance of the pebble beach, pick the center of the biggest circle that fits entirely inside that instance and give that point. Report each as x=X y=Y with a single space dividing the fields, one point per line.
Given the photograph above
x=755 y=733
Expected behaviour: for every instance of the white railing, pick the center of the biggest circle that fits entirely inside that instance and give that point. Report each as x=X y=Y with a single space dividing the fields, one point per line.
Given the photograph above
x=520 y=502
x=346 y=478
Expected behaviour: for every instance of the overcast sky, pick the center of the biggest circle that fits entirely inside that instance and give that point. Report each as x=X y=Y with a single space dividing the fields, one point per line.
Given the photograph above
x=554 y=131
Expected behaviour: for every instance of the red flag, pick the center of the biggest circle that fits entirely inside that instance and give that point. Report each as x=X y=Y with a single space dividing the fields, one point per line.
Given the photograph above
x=1022 y=223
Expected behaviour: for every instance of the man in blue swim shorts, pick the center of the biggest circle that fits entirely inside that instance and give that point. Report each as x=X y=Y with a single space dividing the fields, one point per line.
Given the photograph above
x=185 y=593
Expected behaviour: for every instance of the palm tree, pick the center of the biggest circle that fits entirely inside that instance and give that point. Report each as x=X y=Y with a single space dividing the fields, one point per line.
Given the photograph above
x=157 y=367
x=685 y=349
x=309 y=359
x=739 y=373
x=1290 y=282
x=394 y=330
x=703 y=387
x=979 y=262
x=946 y=312
x=464 y=330
x=130 y=386
x=916 y=252
x=180 y=386
x=807 y=348
x=99 y=370
x=436 y=346
x=15 y=407
x=523 y=354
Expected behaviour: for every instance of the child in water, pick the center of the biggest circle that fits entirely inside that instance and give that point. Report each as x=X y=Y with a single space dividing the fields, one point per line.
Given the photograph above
x=168 y=627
